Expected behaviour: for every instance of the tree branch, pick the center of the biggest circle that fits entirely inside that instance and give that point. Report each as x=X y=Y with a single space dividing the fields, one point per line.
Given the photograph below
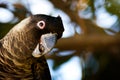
x=91 y=42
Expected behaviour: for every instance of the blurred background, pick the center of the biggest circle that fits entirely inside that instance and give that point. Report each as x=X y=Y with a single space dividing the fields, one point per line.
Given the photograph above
x=90 y=46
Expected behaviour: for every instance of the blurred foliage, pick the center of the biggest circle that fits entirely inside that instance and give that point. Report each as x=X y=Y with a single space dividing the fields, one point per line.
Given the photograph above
x=58 y=61
x=112 y=6
x=19 y=12
x=4 y=28
x=102 y=61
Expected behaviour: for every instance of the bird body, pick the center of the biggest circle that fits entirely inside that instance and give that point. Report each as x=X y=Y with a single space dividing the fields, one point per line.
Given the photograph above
x=16 y=48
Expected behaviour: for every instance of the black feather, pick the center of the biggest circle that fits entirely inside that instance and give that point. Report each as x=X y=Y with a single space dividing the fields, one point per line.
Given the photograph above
x=16 y=60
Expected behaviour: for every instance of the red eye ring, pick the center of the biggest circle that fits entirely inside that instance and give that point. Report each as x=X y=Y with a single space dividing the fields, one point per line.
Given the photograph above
x=41 y=24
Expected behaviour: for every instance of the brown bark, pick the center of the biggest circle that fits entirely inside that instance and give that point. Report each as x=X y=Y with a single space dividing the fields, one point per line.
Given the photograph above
x=90 y=42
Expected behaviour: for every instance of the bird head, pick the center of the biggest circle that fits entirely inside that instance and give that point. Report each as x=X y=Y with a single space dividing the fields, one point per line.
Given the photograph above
x=51 y=29
x=37 y=31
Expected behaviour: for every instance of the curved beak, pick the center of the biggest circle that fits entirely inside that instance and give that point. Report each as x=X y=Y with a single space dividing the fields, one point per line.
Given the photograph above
x=47 y=42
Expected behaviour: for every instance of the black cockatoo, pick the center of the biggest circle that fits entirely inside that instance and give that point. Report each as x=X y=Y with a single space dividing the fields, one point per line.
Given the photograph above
x=19 y=59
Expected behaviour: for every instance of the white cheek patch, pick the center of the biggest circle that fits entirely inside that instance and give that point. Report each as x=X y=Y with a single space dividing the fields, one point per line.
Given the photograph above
x=36 y=52
x=48 y=41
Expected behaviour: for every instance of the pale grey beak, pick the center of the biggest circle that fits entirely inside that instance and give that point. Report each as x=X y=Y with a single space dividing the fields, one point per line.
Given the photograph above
x=47 y=42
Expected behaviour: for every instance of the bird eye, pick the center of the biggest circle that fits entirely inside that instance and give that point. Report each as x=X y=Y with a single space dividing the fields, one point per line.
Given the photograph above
x=41 y=24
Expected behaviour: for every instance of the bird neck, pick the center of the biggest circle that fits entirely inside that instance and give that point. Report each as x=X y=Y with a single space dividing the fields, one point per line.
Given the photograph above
x=19 y=44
